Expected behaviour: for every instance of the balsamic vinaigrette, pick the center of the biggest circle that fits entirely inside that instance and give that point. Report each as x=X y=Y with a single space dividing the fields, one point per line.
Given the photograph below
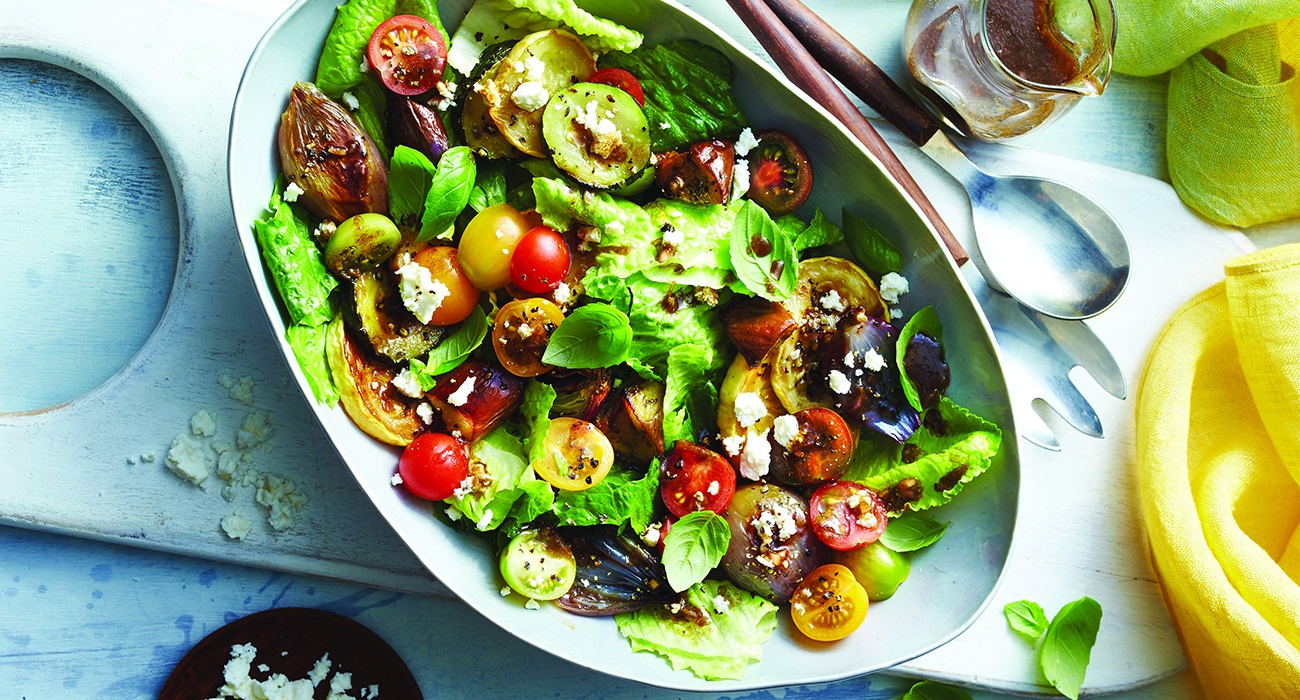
x=1027 y=43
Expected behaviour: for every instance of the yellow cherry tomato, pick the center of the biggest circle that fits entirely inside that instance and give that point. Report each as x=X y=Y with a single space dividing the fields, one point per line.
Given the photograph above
x=578 y=455
x=487 y=244
x=443 y=266
x=830 y=604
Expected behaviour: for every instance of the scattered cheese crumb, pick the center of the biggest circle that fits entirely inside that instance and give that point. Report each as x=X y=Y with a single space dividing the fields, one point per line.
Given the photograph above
x=714 y=487
x=739 y=178
x=562 y=294
x=263 y=668
x=147 y=457
x=720 y=604
x=750 y=409
x=240 y=390
x=665 y=126
x=351 y=101
x=849 y=359
x=838 y=382
x=530 y=96
x=652 y=534
x=407 y=383
x=892 y=286
x=425 y=412
x=282 y=499
x=614 y=228
x=339 y=685
x=534 y=68
x=785 y=429
x=525 y=331
x=395 y=480
x=532 y=605
x=203 y=424
x=505 y=591
x=461 y=396
x=293 y=191
x=371 y=692
x=236 y=526
x=733 y=444
x=673 y=236
x=465 y=486
x=255 y=430
x=746 y=142
x=188 y=460
x=484 y=521
x=873 y=361
x=756 y=457
x=895 y=314
x=421 y=294
x=452 y=514
x=832 y=301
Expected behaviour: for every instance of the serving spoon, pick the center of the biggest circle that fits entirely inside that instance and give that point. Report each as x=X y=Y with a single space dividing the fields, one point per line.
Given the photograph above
x=1042 y=242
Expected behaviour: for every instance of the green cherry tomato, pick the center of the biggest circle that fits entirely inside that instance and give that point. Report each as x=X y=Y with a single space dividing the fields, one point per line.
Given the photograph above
x=878 y=568
x=538 y=564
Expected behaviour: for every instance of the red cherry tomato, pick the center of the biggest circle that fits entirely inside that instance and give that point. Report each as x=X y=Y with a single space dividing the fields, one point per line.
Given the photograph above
x=621 y=79
x=433 y=465
x=847 y=515
x=540 y=261
x=408 y=53
x=692 y=478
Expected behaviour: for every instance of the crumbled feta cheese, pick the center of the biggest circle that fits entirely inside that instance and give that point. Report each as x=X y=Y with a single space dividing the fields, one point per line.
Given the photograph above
x=484 y=521
x=532 y=605
x=407 y=383
x=452 y=514
x=236 y=526
x=465 y=486
x=832 y=301
x=395 y=480
x=530 y=96
x=147 y=457
x=714 y=487
x=188 y=460
x=785 y=429
x=605 y=136
x=562 y=293
x=254 y=430
x=340 y=684
x=895 y=314
x=534 y=68
x=873 y=361
x=351 y=101
x=665 y=126
x=240 y=390
x=750 y=409
x=130 y=460
x=746 y=142
x=592 y=234
x=849 y=359
x=505 y=591
x=240 y=686
x=293 y=191
x=838 y=382
x=733 y=444
x=739 y=178
x=674 y=236
x=364 y=67
x=652 y=535
x=282 y=499
x=720 y=605
x=202 y=424
x=461 y=396
x=756 y=457
x=263 y=668
x=447 y=90
x=421 y=294
x=525 y=331
x=892 y=286
x=371 y=692
x=425 y=412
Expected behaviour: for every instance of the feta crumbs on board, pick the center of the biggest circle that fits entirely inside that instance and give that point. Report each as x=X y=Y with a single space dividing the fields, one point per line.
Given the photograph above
x=421 y=294
x=202 y=424
x=756 y=457
x=838 y=382
x=236 y=526
x=750 y=409
x=733 y=444
x=240 y=390
x=407 y=383
x=340 y=684
x=893 y=286
x=746 y=142
x=785 y=429
x=873 y=360
x=254 y=431
x=283 y=500
x=832 y=301
x=351 y=101
x=188 y=460
x=460 y=396
x=293 y=191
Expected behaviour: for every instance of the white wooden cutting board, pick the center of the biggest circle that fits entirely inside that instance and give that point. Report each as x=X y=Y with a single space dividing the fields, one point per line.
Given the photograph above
x=176 y=67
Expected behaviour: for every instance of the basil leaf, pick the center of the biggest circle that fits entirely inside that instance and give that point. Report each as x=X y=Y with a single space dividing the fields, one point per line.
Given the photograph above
x=872 y=250
x=819 y=232
x=536 y=410
x=693 y=547
x=1067 y=645
x=452 y=351
x=409 y=175
x=448 y=193
x=489 y=187
x=924 y=321
x=912 y=532
x=596 y=335
x=1026 y=618
x=929 y=690
x=772 y=276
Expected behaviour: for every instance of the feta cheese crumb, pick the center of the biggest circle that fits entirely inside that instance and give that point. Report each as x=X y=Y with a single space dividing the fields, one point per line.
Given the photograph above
x=465 y=486
x=674 y=236
x=425 y=412
x=421 y=294
x=892 y=286
x=750 y=409
x=756 y=457
x=240 y=390
x=739 y=178
x=147 y=457
x=453 y=514
x=785 y=429
x=202 y=424
x=562 y=294
x=255 y=430
x=534 y=68
x=530 y=96
x=293 y=191
x=733 y=444
x=665 y=126
x=714 y=487
x=236 y=526
x=895 y=314
x=524 y=330
x=351 y=101
x=532 y=605
x=407 y=383
x=873 y=361
x=849 y=359
x=505 y=591
x=188 y=460
x=484 y=521
x=832 y=301
x=720 y=604
x=282 y=499
x=340 y=684
x=838 y=382
x=652 y=535
x=461 y=396
x=396 y=480
x=746 y=142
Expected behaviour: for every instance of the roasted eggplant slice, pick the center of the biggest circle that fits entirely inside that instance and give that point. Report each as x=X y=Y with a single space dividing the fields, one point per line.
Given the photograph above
x=366 y=390
x=330 y=158
x=616 y=573
x=633 y=420
x=475 y=397
x=755 y=325
x=378 y=314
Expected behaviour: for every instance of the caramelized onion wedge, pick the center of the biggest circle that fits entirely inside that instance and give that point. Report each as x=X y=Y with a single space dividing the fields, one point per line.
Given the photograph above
x=416 y=126
x=366 y=390
x=701 y=175
x=615 y=573
x=326 y=154
x=474 y=412
x=633 y=420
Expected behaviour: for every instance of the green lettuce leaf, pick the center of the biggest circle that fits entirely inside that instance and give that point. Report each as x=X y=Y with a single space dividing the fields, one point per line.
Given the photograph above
x=308 y=343
x=719 y=650
x=490 y=22
x=946 y=464
x=295 y=262
x=619 y=498
x=536 y=411
x=339 y=68
x=688 y=95
x=409 y=175
x=688 y=372
x=498 y=459
x=657 y=327
x=372 y=112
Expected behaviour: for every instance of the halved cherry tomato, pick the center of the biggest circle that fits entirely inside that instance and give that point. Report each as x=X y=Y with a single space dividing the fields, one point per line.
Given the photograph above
x=693 y=478
x=578 y=456
x=540 y=261
x=621 y=79
x=443 y=265
x=780 y=176
x=538 y=564
x=433 y=466
x=520 y=333
x=487 y=243
x=847 y=515
x=408 y=53
x=830 y=604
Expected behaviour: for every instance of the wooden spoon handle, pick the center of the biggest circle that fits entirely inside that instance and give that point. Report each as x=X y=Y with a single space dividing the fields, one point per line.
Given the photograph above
x=802 y=69
x=850 y=66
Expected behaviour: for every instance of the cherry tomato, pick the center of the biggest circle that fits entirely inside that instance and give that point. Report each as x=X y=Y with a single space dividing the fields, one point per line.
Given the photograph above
x=433 y=466
x=578 y=455
x=487 y=243
x=819 y=451
x=540 y=261
x=878 y=568
x=693 y=478
x=780 y=176
x=847 y=515
x=538 y=564
x=621 y=79
x=830 y=604
x=444 y=266
x=408 y=53
x=520 y=333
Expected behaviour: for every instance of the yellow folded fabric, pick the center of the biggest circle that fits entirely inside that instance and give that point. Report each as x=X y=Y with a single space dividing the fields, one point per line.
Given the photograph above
x=1218 y=448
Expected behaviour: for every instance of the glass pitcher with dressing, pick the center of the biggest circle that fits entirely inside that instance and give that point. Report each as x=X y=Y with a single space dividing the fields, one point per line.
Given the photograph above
x=997 y=69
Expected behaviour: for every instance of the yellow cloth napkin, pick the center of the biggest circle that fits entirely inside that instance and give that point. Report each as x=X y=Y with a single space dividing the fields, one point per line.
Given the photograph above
x=1218 y=447
x=1233 y=132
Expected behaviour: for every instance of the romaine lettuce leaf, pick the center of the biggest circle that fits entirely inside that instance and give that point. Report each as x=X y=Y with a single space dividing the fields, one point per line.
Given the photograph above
x=498 y=460
x=490 y=22
x=722 y=648
x=954 y=447
x=372 y=112
x=536 y=411
x=308 y=343
x=660 y=323
x=619 y=498
x=688 y=94
x=295 y=262
x=339 y=68
x=687 y=396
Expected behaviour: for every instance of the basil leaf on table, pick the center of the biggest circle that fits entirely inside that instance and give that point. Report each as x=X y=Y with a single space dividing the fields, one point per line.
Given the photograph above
x=409 y=175
x=593 y=336
x=452 y=351
x=1026 y=618
x=448 y=192
x=772 y=276
x=912 y=532
x=927 y=321
x=929 y=690
x=1067 y=645
x=870 y=247
x=693 y=547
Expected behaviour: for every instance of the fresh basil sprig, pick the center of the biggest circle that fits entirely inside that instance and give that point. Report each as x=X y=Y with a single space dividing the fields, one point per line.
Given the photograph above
x=448 y=192
x=1064 y=644
x=924 y=321
x=870 y=246
x=410 y=173
x=452 y=351
x=819 y=232
x=773 y=275
x=912 y=532
x=1026 y=618
x=693 y=547
x=595 y=335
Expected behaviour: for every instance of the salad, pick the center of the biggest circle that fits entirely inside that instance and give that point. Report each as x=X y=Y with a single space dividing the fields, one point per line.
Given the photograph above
x=562 y=271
